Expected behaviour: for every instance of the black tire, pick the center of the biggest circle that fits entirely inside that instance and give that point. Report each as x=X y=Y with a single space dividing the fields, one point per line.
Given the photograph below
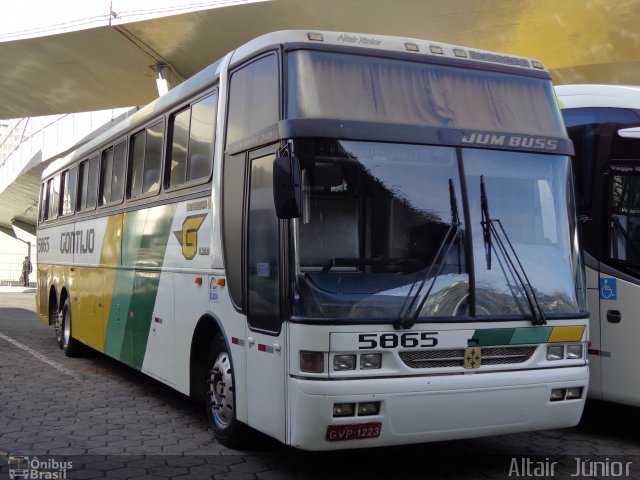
x=220 y=399
x=70 y=346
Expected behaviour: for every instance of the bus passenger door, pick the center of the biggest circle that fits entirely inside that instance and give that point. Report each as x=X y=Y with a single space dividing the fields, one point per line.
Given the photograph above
x=620 y=331
x=265 y=335
x=619 y=287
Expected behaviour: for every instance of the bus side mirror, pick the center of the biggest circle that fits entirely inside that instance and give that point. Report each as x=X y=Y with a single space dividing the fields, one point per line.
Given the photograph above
x=287 y=189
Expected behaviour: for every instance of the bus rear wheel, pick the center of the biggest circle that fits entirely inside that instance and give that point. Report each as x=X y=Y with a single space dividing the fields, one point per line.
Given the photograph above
x=70 y=346
x=220 y=399
x=55 y=317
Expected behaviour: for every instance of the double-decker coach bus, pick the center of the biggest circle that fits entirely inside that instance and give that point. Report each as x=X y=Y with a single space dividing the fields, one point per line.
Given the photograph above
x=340 y=240
x=604 y=123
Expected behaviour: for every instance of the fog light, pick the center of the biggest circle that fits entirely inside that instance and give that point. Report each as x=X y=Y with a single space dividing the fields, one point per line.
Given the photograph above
x=574 y=392
x=344 y=362
x=557 y=394
x=370 y=361
x=312 y=362
x=369 y=408
x=555 y=352
x=344 y=409
x=574 y=351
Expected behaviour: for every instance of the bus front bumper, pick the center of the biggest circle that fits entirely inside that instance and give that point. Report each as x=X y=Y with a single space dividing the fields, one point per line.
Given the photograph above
x=432 y=408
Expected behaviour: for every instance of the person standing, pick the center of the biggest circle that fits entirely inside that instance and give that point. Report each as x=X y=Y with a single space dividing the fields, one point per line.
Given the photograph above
x=26 y=270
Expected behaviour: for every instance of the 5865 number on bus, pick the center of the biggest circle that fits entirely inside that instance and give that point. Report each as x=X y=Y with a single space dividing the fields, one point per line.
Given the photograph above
x=369 y=341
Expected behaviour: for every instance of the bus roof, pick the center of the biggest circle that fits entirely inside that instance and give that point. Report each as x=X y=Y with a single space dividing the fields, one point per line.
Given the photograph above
x=591 y=95
x=386 y=43
x=209 y=75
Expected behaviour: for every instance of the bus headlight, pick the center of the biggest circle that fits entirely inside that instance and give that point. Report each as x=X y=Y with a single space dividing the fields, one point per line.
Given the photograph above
x=555 y=352
x=369 y=361
x=574 y=351
x=344 y=362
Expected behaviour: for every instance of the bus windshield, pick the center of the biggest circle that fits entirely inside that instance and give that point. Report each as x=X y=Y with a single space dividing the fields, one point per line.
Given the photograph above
x=362 y=88
x=377 y=222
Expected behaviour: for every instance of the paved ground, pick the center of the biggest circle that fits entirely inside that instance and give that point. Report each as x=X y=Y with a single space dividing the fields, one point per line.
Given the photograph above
x=110 y=421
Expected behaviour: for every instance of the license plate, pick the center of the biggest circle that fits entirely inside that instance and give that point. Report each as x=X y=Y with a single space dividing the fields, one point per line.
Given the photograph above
x=353 y=431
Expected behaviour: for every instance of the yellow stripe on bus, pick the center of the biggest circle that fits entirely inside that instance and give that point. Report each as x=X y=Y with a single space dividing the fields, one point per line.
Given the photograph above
x=567 y=334
x=95 y=287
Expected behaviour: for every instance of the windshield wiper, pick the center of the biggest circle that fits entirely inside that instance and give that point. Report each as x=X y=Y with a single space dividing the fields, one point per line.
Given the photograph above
x=490 y=233
x=408 y=318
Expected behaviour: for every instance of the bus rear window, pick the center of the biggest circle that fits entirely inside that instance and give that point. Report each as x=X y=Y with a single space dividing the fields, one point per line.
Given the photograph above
x=362 y=88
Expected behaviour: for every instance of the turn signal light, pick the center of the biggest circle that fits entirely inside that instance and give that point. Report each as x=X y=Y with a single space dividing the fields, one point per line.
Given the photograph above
x=312 y=362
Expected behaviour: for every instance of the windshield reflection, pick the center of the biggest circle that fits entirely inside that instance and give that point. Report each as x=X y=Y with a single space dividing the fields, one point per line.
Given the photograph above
x=375 y=237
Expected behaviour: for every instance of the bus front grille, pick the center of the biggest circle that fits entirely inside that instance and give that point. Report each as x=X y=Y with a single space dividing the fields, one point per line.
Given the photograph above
x=455 y=357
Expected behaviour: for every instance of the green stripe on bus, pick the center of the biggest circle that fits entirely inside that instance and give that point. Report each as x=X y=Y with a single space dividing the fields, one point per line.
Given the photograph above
x=145 y=236
x=531 y=335
x=493 y=336
x=512 y=336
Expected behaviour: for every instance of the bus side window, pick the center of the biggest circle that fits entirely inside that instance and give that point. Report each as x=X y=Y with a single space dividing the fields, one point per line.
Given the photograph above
x=201 y=138
x=253 y=98
x=69 y=186
x=54 y=197
x=105 y=176
x=88 y=188
x=179 y=147
x=192 y=140
x=146 y=161
x=624 y=220
x=112 y=176
x=43 y=202
x=119 y=167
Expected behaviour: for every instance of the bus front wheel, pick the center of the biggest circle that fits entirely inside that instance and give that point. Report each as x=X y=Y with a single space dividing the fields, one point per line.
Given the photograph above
x=220 y=398
x=70 y=345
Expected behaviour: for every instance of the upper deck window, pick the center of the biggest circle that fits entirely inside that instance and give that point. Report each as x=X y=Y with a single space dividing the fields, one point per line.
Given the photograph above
x=370 y=89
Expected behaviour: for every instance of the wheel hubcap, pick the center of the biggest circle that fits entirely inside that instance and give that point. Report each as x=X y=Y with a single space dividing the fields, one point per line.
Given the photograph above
x=221 y=391
x=67 y=329
x=57 y=325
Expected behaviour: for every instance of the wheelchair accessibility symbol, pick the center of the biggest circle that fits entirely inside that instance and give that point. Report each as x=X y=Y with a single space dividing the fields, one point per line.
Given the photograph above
x=608 y=289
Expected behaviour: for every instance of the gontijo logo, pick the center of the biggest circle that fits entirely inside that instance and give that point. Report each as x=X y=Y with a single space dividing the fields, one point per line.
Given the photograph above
x=188 y=236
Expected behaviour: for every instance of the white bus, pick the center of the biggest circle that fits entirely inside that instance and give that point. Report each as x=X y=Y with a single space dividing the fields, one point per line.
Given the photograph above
x=604 y=123
x=340 y=240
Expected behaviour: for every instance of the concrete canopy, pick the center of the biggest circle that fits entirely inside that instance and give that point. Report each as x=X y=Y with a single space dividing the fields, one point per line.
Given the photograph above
x=108 y=66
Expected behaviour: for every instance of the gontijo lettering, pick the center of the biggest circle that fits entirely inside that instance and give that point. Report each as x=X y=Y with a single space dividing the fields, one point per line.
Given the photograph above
x=78 y=241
